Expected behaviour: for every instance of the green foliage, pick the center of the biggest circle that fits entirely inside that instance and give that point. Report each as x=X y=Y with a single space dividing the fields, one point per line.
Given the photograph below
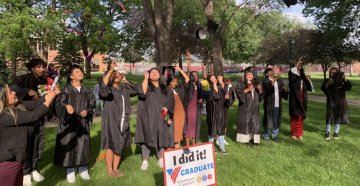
x=4 y=71
x=337 y=19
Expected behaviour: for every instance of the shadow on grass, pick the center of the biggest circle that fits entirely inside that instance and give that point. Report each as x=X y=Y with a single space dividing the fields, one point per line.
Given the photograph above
x=159 y=178
x=55 y=174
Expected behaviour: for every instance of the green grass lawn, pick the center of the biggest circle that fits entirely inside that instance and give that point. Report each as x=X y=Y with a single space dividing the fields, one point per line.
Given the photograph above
x=312 y=161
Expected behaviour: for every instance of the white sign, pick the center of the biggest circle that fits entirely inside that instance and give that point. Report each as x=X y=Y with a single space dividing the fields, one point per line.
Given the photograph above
x=192 y=165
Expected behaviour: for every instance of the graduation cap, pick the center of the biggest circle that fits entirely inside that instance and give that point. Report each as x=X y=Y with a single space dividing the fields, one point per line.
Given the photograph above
x=201 y=33
x=136 y=17
x=248 y=70
x=290 y=2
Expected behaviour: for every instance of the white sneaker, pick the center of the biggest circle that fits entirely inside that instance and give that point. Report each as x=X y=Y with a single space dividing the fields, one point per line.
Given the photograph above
x=144 y=165
x=217 y=143
x=160 y=163
x=27 y=180
x=36 y=176
x=225 y=142
x=85 y=175
x=70 y=177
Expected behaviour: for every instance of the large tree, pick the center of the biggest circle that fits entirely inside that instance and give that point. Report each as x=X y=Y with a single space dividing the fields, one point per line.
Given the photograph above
x=159 y=17
x=22 y=25
x=221 y=15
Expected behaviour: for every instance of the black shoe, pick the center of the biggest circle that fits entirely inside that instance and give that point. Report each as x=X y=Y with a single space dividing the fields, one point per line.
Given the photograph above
x=327 y=135
x=336 y=136
x=223 y=152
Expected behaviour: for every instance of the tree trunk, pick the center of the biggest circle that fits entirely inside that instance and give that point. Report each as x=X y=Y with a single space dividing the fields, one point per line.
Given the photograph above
x=13 y=67
x=164 y=50
x=324 y=68
x=159 y=17
x=217 y=53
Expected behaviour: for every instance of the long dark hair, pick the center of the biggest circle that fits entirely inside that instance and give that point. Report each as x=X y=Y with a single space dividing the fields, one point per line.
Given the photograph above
x=162 y=84
x=70 y=71
x=4 y=106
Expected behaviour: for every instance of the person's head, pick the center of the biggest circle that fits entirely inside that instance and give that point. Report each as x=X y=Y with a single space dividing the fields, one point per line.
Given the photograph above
x=36 y=67
x=116 y=77
x=194 y=76
x=75 y=73
x=154 y=75
x=269 y=72
x=7 y=97
x=211 y=78
x=332 y=71
x=172 y=81
x=248 y=74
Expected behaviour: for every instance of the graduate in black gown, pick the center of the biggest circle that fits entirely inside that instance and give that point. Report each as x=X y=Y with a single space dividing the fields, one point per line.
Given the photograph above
x=152 y=129
x=248 y=123
x=15 y=117
x=30 y=84
x=337 y=112
x=299 y=84
x=218 y=102
x=194 y=104
x=74 y=107
x=274 y=90
x=115 y=126
x=180 y=90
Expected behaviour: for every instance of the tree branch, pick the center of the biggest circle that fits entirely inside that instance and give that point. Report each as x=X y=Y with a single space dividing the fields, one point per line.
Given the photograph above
x=149 y=16
x=169 y=13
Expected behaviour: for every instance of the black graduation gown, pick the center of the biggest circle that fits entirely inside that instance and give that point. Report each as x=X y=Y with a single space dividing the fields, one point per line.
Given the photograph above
x=269 y=101
x=190 y=93
x=35 y=132
x=73 y=135
x=29 y=81
x=115 y=129
x=336 y=104
x=151 y=129
x=248 y=122
x=217 y=110
x=13 y=134
x=296 y=107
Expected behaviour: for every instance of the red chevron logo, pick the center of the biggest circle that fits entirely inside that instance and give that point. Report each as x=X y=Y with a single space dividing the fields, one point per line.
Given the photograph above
x=175 y=174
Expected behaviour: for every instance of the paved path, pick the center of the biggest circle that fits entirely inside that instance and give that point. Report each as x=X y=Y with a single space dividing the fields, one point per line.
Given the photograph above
x=323 y=100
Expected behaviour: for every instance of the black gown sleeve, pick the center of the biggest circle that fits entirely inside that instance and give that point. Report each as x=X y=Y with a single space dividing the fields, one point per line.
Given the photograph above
x=24 y=117
x=346 y=86
x=324 y=89
x=33 y=104
x=239 y=91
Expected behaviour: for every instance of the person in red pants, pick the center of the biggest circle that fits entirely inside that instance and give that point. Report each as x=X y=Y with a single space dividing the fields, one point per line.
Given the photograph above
x=299 y=84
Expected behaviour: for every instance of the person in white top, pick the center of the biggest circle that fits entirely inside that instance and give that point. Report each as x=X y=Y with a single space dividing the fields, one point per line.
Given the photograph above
x=273 y=91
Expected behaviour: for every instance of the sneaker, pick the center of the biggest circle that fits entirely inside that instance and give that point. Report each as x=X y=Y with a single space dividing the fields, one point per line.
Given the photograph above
x=327 y=135
x=85 y=175
x=160 y=163
x=36 y=176
x=144 y=165
x=27 y=180
x=70 y=178
x=266 y=137
x=225 y=142
x=336 y=135
x=217 y=143
x=223 y=152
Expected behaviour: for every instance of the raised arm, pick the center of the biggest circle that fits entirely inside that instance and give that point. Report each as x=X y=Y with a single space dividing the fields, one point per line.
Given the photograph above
x=145 y=82
x=107 y=77
x=186 y=77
